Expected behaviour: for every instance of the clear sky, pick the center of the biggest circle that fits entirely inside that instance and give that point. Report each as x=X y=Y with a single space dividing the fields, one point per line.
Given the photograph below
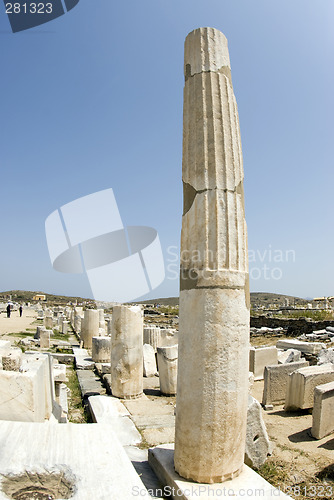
x=93 y=100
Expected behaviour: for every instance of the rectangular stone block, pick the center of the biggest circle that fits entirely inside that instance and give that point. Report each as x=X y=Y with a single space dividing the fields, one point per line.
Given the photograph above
x=302 y=383
x=307 y=347
x=83 y=361
x=26 y=396
x=109 y=410
x=90 y=455
x=276 y=380
x=90 y=384
x=149 y=361
x=259 y=358
x=161 y=459
x=323 y=411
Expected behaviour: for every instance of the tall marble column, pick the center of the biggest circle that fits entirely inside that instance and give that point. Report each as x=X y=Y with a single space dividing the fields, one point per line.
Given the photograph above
x=89 y=327
x=127 y=352
x=212 y=388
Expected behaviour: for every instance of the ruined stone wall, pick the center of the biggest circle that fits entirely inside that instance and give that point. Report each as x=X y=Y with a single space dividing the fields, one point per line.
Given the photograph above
x=294 y=326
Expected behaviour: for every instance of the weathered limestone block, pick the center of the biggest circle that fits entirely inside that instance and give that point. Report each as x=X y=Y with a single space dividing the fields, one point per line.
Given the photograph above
x=12 y=360
x=89 y=327
x=77 y=324
x=326 y=356
x=26 y=395
x=323 y=411
x=259 y=357
x=306 y=347
x=152 y=336
x=59 y=373
x=167 y=366
x=127 y=352
x=44 y=339
x=302 y=383
x=109 y=410
x=168 y=337
x=82 y=359
x=276 y=379
x=102 y=323
x=149 y=361
x=101 y=349
x=65 y=327
x=258 y=446
x=39 y=329
x=289 y=356
x=48 y=322
x=212 y=387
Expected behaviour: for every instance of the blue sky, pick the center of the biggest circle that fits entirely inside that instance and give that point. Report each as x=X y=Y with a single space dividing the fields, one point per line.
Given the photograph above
x=93 y=100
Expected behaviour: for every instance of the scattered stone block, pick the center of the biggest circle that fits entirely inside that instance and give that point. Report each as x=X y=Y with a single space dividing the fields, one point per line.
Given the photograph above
x=59 y=373
x=26 y=395
x=289 y=356
x=323 y=411
x=44 y=339
x=39 y=329
x=326 y=356
x=302 y=383
x=48 y=322
x=259 y=358
x=167 y=366
x=103 y=368
x=90 y=384
x=101 y=349
x=66 y=359
x=65 y=327
x=149 y=361
x=83 y=361
x=276 y=379
x=109 y=410
x=306 y=347
x=12 y=360
x=258 y=446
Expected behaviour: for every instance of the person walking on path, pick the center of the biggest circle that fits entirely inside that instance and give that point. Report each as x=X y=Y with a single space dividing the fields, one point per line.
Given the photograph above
x=8 y=311
x=20 y=309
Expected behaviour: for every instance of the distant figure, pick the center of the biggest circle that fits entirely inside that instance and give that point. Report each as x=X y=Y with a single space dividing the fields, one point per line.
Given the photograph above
x=8 y=311
x=20 y=309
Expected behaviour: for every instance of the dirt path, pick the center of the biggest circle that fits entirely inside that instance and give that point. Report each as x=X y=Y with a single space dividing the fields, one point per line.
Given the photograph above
x=15 y=324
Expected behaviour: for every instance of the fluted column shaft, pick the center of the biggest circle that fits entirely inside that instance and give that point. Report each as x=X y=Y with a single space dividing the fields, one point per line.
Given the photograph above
x=214 y=297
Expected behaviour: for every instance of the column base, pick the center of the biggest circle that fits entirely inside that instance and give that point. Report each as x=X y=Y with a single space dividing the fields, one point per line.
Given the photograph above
x=248 y=484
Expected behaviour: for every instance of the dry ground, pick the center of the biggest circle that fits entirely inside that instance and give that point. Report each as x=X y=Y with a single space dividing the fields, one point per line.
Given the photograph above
x=15 y=324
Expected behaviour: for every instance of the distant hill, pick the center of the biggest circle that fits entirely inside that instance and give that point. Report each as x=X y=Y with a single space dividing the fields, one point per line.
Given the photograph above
x=265 y=298
x=257 y=298
x=27 y=296
x=165 y=301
